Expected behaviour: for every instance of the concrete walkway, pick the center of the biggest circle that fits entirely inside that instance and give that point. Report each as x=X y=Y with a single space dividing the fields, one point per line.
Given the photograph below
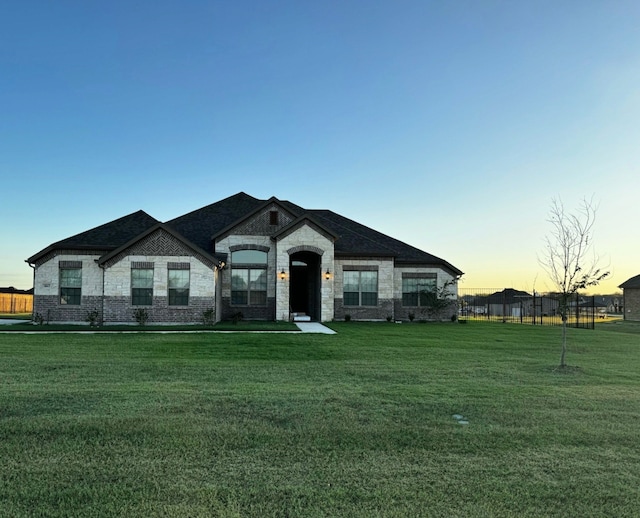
x=314 y=327
x=305 y=327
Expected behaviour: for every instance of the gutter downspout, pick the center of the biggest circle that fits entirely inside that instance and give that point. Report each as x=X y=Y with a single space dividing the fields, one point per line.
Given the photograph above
x=33 y=309
x=101 y=294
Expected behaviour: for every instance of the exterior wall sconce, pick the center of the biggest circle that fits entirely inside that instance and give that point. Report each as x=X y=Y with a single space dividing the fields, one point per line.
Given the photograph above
x=282 y=275
x=327 y=274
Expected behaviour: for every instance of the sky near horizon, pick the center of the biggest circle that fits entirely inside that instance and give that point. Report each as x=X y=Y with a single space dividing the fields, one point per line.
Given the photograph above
x=448 y=125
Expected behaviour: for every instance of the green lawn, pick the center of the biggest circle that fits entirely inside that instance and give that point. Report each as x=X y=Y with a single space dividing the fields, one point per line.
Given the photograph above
x=354 y=424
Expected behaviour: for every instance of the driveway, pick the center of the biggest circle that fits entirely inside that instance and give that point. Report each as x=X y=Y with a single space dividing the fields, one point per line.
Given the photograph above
x=7 y=321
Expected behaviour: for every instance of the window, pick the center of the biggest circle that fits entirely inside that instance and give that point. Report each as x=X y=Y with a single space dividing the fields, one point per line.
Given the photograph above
x=141 y=286
x=70 y=285
x=249 y=278
x=418 y=289
x=178 y=287
x=273 y=217
x=360 y=288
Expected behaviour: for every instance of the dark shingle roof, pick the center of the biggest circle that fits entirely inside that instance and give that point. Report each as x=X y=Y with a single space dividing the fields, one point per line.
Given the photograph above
x=198 y=227
x=507 y=296
x=357 y=239
x=105 y=237
x=634 y=282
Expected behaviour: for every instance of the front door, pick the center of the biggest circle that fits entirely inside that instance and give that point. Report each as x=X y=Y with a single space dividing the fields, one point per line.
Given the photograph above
x=304 y=295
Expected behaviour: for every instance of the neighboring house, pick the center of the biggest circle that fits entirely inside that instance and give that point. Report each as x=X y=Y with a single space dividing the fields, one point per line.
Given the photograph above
x=631 y=298
x=267 y=259
x=506 y=303
x=537 y=306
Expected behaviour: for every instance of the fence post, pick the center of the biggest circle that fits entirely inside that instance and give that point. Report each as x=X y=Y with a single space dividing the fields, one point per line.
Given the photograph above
x=533 y=313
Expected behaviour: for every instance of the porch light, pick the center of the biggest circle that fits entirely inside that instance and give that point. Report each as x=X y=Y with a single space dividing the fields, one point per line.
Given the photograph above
x=327 y=274
x=283 y=275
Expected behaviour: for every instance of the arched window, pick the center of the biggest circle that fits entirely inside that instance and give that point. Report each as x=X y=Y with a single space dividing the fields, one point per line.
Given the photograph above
x=249 y=278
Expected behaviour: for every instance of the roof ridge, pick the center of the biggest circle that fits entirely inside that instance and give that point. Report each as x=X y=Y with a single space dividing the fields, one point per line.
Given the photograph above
x=395 y=252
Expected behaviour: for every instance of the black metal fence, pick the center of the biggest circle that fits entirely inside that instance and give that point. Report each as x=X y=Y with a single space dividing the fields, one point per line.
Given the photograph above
x=510 y=305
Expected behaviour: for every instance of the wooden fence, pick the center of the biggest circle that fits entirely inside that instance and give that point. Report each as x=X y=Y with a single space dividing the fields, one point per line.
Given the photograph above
x=16 y=303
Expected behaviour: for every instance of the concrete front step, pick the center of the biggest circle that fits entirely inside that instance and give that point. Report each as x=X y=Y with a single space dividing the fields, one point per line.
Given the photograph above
x=301 y=317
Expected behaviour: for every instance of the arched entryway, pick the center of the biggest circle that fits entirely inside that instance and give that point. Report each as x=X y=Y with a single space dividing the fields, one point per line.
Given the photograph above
x=304 y=289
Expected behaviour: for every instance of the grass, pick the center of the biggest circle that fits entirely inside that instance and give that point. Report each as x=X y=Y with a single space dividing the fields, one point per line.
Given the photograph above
x=354 y=424
x=17 y=316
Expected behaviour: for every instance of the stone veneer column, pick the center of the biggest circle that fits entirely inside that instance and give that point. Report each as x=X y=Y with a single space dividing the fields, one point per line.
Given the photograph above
x=305 y=238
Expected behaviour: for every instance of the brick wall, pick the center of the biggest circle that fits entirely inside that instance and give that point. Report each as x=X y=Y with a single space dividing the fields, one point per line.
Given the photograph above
x=632 y=304
x=402 y=312
x=267 y=312
x=383 y=310
x=48 y=307
x=120 y=310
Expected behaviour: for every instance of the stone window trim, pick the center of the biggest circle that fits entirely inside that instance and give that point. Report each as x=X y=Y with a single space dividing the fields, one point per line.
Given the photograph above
x=305 y=248
x=178 y=266
x=141 y=265
x=419 y=275
x=70 y=264
x=261 y=248
x=360 y=268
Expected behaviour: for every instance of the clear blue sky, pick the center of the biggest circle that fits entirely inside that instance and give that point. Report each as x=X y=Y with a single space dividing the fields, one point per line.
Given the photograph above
x=449 y=125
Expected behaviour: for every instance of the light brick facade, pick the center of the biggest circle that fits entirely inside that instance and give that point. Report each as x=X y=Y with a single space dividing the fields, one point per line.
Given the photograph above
x=305 y=238
x=303 y=267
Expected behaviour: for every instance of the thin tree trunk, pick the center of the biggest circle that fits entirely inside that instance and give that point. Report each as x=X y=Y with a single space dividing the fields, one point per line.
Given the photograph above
x=564 y=343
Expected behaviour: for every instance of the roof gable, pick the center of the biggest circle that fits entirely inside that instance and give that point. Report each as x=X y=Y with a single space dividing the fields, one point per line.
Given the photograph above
x=200 y=225
x=158 y=240
x=633 y=282
x=257 y=222
x=104 y=237
x=301 y=221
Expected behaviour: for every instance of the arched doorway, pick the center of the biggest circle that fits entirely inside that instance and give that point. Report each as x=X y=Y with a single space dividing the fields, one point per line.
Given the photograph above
x=304 y=289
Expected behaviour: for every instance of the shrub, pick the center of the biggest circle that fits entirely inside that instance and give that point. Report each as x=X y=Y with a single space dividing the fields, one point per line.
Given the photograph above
x=208 y=317
x=347 y=318
x=412 y=316
x=141 y=315
x=93 y=317
x=237 y=317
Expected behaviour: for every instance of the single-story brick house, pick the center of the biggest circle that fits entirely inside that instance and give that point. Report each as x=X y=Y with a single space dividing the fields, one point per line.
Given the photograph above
x=267 y=259
x=631 y=298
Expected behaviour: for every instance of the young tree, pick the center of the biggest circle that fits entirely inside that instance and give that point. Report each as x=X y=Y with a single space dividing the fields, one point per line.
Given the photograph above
x=436 y=300
x=569 y=258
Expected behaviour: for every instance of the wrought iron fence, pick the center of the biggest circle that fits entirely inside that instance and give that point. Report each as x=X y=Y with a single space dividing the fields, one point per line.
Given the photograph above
x=510 y=305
